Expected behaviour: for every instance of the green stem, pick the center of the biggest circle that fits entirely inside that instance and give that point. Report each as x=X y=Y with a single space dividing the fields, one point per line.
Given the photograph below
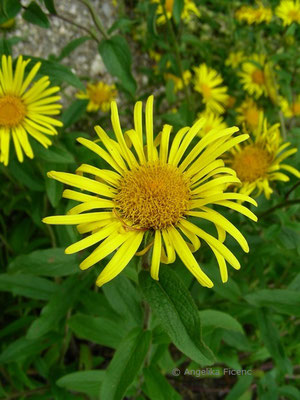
x=95 y=18
x=173 y=44
x=280 y=205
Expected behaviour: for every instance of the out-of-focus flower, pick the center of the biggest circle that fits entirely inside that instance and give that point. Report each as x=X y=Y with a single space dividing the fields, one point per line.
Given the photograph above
x=207 y=82
x=155 y=187
x=212 y=122
x=25 y=108
x=189 y=9
x=249 y=113
x=288 y=11
x=253 y=75
x=258 y=161
x=8 y=24
x=178 y=83
x=230 y=102
x=99 y=95
x=254 y=15
x=290 y=110
x=235 y=58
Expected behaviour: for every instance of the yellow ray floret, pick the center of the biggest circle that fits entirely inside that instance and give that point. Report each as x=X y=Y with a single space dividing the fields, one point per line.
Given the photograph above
x=156 y=186
x=26 y=108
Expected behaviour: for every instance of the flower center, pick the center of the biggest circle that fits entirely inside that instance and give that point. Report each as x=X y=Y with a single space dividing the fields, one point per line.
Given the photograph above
x=12 y=111
x=251 y=163
x=206 y=91
x=169 y=5
x=251 y=117
x=296 y=108
x=258 y=77
x=294 y=15
x=153 y=196
x=99 y=96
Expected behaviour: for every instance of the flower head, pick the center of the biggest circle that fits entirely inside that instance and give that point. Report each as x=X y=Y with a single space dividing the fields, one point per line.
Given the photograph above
x=189 y=9
x=290 y=109
x=155 y=187
x=235 y=58
x=289 y=11
x=99 y=95
x=249 y=113
x=212 y=122
x=207 y=82
x=254 y=15
x=253 y=75
x=258 y=161
x=178 y=82
x=25 y=108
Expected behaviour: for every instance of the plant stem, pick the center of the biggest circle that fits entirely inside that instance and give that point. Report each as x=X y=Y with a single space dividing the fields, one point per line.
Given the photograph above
x=173 y=44
x=95 y=18
x=280 y=205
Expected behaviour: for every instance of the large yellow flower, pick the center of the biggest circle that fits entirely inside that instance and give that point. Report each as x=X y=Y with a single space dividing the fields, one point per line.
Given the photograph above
x=155 y=187
x=289 y=11
x=25 y=108
x=207 y=82
x=249 y=113
x=290 y=110
x=189 y=9
x=258 y=161
x=99 y=95
x=253 y=75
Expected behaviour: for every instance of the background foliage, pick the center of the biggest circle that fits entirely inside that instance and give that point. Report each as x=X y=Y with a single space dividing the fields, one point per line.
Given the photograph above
x=62 y=337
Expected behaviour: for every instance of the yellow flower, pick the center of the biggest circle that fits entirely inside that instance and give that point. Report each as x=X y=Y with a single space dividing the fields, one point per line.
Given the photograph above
x=253 y=75
x=189 y=9
x=254 y=15
x=258 y=161
x=8 y=24
x=249 y=113
x=100 y=96
x=290 y=110
x=207 y=82
x=25 y=108
x=212 y=122
x=178 y=84
x=235 y=58
x=155 y=187
x=289 y=11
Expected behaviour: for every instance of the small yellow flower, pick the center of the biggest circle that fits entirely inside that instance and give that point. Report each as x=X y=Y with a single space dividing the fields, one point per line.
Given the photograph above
x=212 y=122
x=290 y=110
x=289 y=11
x=178 y=84
x=99 y=95
x=25 y=108
x=207 y=82
x=154 y=187
x=253 y=75
x=8 y=24
x=235 y=58
x=254 y=15
x=249 y=113
x=258 y=161
x=189 y=9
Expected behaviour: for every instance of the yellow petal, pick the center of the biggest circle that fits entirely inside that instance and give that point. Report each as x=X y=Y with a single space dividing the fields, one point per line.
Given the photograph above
x=156 y=255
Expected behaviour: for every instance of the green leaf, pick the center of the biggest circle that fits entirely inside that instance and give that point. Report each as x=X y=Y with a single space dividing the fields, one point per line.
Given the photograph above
x=219 y=319
x=271 y=338
x=50 y=6
x=23 y=348
x=123 y=298
x=59 y=304
x=125 y=364
x=25 y=174
x=27 y=285
x=240 y=387
x=177 y=10
x=289 y=392
x=88 y=382
x=281 y=300
x=9 y=9
x=53 y=154
x=157 y=387
x=50 y=262
x=177 y=313
x=71 y=46
x=74 y=112
x=116 y=56
x=35 y=15
x=104 y=331
x=54 y=191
